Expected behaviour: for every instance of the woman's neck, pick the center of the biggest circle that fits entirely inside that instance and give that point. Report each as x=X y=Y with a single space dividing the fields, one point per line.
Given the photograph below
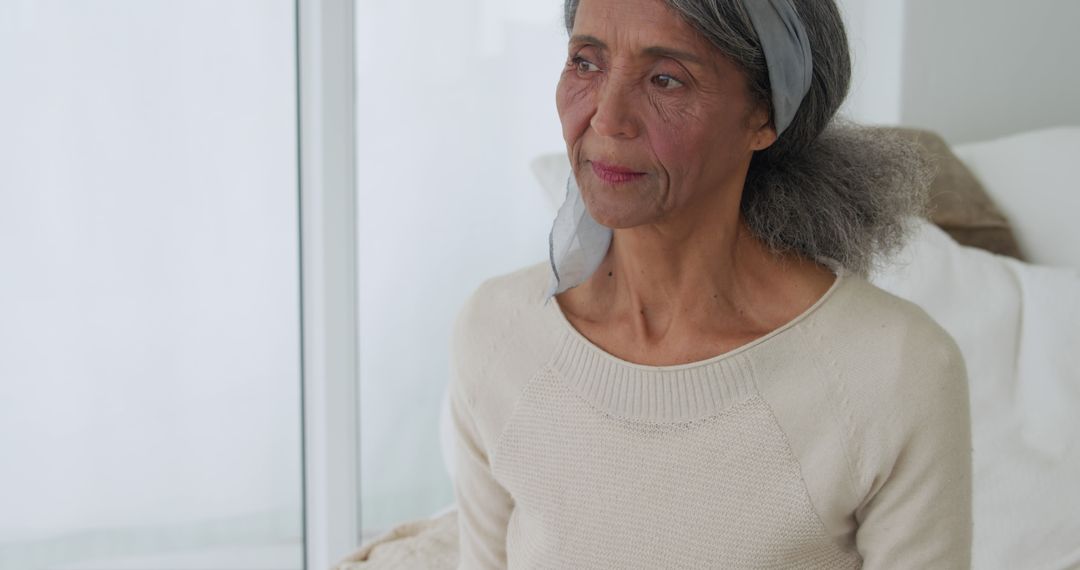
x=671 y=291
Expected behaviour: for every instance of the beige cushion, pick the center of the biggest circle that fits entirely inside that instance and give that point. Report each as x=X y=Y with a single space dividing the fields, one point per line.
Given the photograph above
x=958 y=202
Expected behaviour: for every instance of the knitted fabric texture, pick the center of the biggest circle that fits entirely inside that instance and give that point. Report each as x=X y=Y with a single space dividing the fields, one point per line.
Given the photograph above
x=839 y=440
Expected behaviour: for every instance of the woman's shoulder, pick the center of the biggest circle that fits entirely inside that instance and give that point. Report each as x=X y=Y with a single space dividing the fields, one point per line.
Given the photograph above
x=871 y=309
x=523 y=284
x=500 y=340
x=884 y=343
x=867 y=347
x=875 y=401
x=502 y=314
x=499 y=298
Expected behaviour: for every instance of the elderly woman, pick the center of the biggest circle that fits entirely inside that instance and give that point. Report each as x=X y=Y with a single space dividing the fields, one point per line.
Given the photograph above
x=716 y=384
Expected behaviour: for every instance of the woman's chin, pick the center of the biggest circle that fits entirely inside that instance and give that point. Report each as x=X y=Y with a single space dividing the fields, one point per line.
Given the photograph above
x=618 y=215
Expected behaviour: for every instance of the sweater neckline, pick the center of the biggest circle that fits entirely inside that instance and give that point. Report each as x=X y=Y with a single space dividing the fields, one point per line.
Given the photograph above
x=668 y=393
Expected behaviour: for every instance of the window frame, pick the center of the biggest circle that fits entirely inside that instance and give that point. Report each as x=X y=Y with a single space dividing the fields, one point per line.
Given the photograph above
x=325 y=73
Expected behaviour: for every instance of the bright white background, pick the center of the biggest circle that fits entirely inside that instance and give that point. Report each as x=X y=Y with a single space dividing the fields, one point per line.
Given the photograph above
x=149 y=305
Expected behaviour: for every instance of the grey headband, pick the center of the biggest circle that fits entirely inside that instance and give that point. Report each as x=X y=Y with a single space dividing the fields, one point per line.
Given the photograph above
x=578 y=243
x=787 y=55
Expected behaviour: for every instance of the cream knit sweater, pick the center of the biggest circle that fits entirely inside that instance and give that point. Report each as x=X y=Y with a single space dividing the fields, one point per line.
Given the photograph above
x=840 y=440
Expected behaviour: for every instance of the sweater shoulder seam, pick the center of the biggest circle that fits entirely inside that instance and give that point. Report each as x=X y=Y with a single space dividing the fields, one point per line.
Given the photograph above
x=497 y=443
x=838 y=412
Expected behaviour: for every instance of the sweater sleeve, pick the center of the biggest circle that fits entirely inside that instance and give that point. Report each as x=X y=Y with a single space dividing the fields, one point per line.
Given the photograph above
x=483 y=505
x=916 y=511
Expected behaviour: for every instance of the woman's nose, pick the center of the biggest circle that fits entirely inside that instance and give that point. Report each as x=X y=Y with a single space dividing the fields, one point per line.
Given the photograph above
x=615 y=114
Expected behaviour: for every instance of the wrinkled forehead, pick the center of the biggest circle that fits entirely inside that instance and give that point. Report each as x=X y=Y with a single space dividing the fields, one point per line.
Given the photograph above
x=644 y=31
x=634 y=25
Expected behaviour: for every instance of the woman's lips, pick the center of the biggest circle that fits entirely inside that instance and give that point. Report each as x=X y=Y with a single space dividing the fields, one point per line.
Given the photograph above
x=613 y=174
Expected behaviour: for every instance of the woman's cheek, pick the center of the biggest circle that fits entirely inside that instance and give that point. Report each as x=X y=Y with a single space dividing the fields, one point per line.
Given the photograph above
x=675 y=126
x=575 y=108
x=667 y=135
x=674 y=112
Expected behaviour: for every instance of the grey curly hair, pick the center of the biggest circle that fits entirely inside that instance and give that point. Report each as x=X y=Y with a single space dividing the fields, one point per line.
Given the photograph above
x=827 y=187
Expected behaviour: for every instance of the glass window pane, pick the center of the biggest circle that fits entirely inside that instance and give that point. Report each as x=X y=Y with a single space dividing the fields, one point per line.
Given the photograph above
x=454 y=101
x=149 y=316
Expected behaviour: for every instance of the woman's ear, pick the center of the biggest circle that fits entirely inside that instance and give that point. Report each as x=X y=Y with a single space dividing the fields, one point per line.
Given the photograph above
x=764 y=134
x=765 y=137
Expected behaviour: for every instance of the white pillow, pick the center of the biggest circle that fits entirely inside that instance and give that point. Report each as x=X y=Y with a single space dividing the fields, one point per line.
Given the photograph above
x=1033 y=178
x=1017 y=326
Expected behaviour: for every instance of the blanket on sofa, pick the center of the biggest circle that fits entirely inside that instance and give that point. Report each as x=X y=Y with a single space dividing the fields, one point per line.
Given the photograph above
x=422 y=544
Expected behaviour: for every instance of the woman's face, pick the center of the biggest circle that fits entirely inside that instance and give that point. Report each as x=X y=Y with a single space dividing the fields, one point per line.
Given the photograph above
x=657 y=124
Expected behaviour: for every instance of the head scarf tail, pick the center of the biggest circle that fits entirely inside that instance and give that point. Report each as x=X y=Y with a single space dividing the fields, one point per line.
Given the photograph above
x=577 y=243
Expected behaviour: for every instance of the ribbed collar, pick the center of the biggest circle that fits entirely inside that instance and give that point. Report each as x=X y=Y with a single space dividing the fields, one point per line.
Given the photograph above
x=666 y=394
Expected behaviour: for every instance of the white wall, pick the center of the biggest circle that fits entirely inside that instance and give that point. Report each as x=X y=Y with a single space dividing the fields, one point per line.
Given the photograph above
x=968 y=69
x=149 y=351
x=976 y=69
x=875 y=36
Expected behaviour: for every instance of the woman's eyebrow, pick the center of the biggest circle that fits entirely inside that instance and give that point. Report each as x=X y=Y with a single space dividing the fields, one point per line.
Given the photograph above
x=659 y=51
x=652 y=51
x=587 y=39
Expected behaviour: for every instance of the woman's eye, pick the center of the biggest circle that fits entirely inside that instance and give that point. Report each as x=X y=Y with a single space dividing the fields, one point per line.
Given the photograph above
x=666 y=82
x=583 y=65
